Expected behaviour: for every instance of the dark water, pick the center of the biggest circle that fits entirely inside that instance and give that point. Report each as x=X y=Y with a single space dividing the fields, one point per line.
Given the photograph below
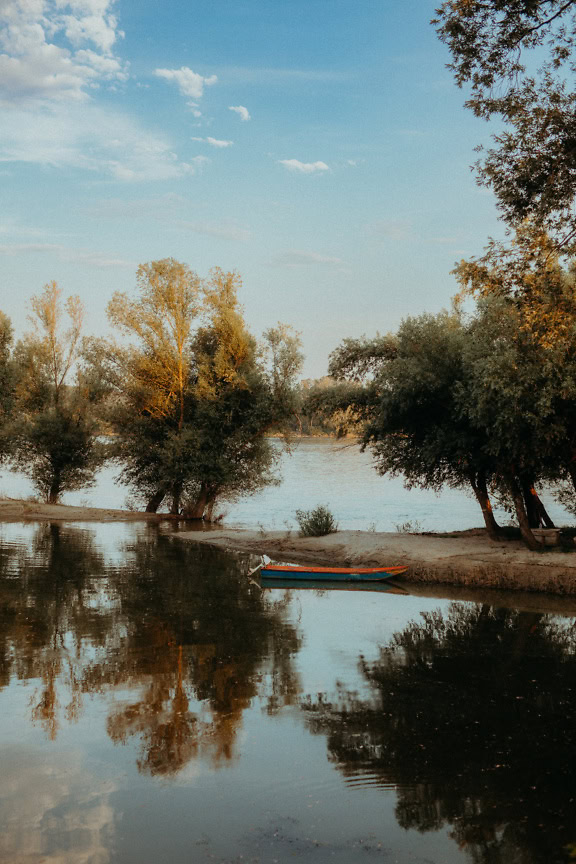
x=157 y=705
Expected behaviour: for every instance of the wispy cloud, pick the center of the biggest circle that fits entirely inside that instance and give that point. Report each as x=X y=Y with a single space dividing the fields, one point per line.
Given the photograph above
x=303 y=167
x=191 y=84
x=298 y=258
x=67 y=253
x=90 y=138
x=223 y=230
x=214 y=142
x=391 y=229
x=243 y=112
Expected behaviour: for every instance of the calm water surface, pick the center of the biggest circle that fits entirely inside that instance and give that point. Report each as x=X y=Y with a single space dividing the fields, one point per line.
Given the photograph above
x=157 y=705
x=319 y=471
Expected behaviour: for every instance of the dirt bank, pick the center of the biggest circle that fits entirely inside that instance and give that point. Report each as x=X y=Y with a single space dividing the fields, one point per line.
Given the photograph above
x=16 y=510
x=464 y=558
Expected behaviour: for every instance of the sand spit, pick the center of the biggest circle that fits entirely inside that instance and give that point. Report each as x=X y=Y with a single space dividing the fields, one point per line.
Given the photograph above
x=16 y=510
x=464 y=558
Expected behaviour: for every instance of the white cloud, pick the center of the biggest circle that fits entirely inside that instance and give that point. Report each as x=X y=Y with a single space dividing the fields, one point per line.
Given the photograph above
x=57 y=50
x=298 y=258
x=214 y=142
x=92 y=139
x=303 y=167
x=190 y=84
x=241 y=111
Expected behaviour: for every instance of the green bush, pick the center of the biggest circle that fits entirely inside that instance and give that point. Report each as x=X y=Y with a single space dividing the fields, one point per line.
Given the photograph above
x=316 y=523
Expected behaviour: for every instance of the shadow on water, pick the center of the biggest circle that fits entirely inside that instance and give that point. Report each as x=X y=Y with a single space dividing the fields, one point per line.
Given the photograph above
x=473 y=718
x=180 y=629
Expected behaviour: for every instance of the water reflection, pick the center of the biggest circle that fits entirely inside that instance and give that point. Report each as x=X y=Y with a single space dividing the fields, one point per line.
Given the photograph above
x=184 y=632
x=145 y=665
x=473 y=717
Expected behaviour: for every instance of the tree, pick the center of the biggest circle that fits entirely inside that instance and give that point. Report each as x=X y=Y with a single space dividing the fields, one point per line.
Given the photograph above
x=7 y=384
x=54 y=436
x=195 y=404
x=532 y=168
x=152 y=375
x=410 y=404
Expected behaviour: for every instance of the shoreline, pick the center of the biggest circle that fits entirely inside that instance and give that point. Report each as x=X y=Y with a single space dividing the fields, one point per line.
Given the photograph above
x=462 y=559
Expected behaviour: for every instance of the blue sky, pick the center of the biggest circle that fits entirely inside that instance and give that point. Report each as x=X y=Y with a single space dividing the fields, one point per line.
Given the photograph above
x=319 y=147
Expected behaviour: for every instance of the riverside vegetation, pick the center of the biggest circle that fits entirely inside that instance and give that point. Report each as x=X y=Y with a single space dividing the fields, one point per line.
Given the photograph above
x=484 y=400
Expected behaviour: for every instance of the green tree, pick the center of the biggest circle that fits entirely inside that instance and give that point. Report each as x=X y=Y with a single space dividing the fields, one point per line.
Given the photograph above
x=195 y=404
x=151 y=376
x=7 y=385
x=54 y=433
x=486 y=402
x=496 y=46
x=411 y=406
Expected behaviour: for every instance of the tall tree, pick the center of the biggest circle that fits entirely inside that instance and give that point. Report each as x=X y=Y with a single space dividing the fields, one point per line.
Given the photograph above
x=195 y=404
x=54 y=437
x=413 y=422
x=7 y=384
x=152 y=375
x=496 y=46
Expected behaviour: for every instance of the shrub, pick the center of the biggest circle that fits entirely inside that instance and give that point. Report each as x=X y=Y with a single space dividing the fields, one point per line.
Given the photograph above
x=316 y=523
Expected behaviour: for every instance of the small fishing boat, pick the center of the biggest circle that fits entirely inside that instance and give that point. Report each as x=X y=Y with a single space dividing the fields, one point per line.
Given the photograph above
x=330 y=574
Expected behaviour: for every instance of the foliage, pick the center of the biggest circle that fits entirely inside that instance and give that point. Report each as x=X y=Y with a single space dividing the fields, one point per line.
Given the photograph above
x=317 y=522
x=485 y=402
x=194 y=402
x=55 y=434
x=532 y=168
x=7 y=384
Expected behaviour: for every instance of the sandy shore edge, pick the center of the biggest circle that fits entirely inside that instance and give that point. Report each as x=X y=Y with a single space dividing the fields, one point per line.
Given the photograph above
x=468 y=559
x=18 y=510
x=464 y=558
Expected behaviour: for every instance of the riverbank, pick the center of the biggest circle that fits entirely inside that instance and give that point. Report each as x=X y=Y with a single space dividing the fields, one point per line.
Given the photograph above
x=18 y=510
x=467 y=559
x=463 y=558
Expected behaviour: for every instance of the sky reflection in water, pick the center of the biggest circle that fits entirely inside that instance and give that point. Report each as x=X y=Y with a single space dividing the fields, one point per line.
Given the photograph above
x=157 y=705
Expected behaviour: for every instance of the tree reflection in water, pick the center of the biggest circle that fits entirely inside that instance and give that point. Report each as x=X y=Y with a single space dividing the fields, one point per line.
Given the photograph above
x=181 y=626
x=474 y=720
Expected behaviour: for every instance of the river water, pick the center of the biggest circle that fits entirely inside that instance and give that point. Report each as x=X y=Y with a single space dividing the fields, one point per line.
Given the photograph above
x=319 y=471
x=157 y=705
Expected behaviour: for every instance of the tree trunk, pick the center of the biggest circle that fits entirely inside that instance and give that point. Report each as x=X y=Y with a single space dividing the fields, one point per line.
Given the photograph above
x=54 y=493
x=544 y=516
x=521 y=515
x=176 y=498
x=535 y=509
x=572 y=472
x=155 y=501
x=478 y=483
x=196 y=511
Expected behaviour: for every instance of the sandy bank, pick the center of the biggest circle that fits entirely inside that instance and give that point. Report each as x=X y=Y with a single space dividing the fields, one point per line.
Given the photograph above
x=466 y=558
x=16 y=510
